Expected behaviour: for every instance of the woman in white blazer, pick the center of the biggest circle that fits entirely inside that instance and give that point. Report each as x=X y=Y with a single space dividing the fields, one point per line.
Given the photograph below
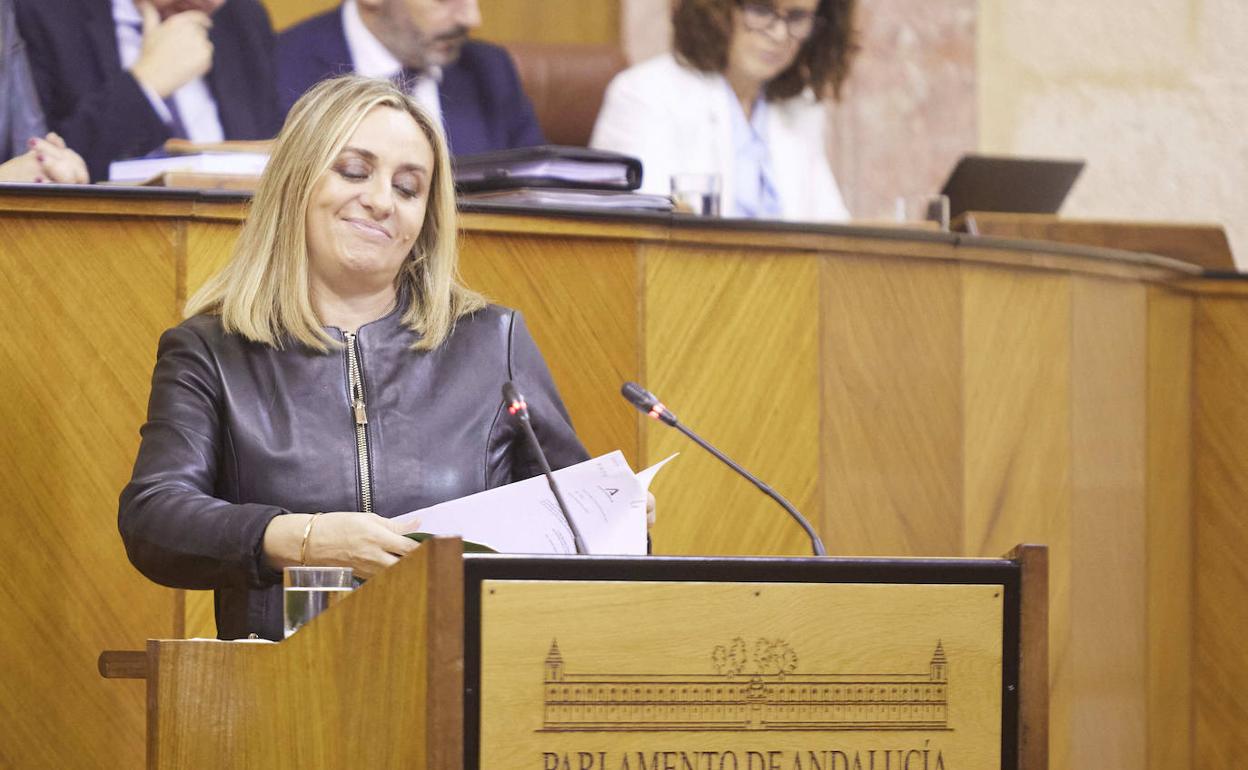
x=739 y=97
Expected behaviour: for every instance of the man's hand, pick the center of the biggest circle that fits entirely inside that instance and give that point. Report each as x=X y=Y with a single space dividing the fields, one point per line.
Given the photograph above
x=175 y=50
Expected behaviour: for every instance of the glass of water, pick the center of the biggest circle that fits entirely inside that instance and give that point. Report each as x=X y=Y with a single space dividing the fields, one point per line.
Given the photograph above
x=696 y=194
x=309 y=591
x=930 y=211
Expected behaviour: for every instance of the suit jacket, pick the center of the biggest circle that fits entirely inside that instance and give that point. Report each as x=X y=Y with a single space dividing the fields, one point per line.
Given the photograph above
x=676 y=119
x=20 y=116
x=483 y=105
x=100 y=109
x=238 y=433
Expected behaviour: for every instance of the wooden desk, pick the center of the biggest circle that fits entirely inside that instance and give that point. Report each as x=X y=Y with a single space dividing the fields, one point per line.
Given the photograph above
x=913 y=393
x=1204 y=245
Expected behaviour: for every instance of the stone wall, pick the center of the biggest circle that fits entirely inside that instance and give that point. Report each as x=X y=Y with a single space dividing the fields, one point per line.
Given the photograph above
x=1153 y=93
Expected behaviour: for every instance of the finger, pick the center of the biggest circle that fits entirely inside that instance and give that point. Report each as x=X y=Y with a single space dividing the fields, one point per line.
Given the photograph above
x=48 y=160
x=196 y=18
x=403 y=527
x=61 y=170
x=76 y=169
x=52 y=168
x=397 y=544
x=378 y=564
x=151 y=17
x=56 y=139
x=46 y=151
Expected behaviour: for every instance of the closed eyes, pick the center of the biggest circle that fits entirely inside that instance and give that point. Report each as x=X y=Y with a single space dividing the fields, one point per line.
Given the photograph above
x=407 y=184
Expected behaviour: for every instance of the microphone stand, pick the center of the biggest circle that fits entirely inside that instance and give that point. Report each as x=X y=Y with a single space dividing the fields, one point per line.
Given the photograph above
x=649 y=403
x=517 y=407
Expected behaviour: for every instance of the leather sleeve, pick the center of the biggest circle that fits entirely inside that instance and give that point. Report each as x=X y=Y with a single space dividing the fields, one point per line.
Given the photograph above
x=176 y=530
x=550 y=418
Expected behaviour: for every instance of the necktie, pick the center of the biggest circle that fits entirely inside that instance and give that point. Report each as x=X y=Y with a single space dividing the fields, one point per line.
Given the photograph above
x=175 y=124
x=405 y=79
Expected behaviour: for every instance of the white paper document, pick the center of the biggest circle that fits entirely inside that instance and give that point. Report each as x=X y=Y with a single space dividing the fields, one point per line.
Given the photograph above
x=605 y=498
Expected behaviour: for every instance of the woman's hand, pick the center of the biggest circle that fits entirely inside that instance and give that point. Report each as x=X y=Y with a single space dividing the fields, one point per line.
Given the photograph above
x=47 y=160
x=57 y=162
x=365 y=542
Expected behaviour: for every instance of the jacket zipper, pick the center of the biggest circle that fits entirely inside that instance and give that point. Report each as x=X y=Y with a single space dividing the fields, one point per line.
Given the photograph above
x=360 y=414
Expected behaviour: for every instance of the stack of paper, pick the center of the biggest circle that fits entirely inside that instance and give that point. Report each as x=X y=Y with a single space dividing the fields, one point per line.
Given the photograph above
x=606 y=500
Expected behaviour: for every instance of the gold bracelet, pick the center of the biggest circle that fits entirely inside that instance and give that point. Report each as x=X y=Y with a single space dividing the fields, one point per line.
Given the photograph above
x=303 y=547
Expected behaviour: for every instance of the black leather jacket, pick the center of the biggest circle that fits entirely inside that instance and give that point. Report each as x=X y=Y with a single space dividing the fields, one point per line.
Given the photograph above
x=238 y=433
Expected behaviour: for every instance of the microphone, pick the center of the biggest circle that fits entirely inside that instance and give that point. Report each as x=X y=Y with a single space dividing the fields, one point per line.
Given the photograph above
x=517 y=407
x=649 y=403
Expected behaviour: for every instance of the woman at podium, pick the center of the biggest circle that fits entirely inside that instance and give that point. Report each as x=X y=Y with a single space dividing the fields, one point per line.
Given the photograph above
x=335 y=373
x=740 y=100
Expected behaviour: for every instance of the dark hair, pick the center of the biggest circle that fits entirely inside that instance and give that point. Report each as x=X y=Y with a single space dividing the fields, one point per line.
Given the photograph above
x=703 y=33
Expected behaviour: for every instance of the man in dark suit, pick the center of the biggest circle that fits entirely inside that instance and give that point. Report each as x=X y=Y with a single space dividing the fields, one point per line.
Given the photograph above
x=472 y=86
x=118 y=78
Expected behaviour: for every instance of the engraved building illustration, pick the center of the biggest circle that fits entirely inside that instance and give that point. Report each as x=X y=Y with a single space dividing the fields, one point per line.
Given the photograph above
x=761 y=691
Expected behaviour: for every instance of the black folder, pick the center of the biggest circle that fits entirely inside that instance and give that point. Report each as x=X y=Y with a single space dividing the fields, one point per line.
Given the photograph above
x=547 y=165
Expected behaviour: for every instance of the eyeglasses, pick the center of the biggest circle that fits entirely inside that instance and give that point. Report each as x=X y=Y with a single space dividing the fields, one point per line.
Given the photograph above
x=761 y=17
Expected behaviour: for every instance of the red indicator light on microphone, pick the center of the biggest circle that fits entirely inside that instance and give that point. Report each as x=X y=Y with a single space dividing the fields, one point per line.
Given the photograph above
x=516 y=407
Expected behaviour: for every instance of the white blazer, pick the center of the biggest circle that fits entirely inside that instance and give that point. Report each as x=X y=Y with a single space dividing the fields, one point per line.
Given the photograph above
x=676 y=119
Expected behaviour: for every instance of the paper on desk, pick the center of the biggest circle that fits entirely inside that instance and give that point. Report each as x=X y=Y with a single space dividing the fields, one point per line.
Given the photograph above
x=605 y=498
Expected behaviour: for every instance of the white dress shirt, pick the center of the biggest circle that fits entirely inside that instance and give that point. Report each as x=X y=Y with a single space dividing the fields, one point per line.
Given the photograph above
x=374 y=60
x=196 y=106
x=754 y=194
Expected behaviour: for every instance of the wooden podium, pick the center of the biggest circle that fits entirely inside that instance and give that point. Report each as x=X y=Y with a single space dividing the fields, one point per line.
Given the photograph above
x=450 y=660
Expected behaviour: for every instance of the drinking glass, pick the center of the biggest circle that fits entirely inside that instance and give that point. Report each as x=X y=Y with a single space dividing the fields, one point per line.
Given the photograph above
x=309 y=591
x=924 y=210
x=696 y=194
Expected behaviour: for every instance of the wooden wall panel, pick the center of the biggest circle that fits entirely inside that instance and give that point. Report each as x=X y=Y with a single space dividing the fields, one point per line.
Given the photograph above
x=732 y=346
x=76 y=378
x=585 y=323
x=1108 y=605
x=892 y=407
x=208 y=247
x=1221 y=571
x=504 y=21
x=1017 y=477
x=1169 y=583
x=1016 y=379
x=284 y=13
x=551 y=21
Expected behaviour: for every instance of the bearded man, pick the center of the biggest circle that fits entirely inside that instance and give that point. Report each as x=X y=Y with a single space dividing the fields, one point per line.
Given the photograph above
x=472 y=87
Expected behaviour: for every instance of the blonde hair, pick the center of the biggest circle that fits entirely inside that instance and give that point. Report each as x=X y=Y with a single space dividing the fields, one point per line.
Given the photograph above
x=263 y=294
